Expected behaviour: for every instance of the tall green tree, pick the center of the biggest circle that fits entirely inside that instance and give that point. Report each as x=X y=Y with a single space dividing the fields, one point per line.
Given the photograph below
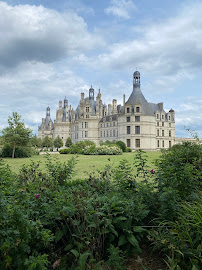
x=58 y=142
x=16 y=133
x=47 y=142
x=35 y=141
x=68 y=142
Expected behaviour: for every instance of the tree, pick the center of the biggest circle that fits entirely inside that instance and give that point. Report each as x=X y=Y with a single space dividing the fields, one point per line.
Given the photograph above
x=35 y=141
x=47 y=142
x=68 y=142
x=58 y=142
x=16 y=133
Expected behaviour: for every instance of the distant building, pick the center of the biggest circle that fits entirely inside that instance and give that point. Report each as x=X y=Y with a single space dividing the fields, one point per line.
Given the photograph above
x=137 y=122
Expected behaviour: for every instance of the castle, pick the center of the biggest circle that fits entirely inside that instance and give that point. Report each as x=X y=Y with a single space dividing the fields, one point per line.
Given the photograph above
x=138 y=123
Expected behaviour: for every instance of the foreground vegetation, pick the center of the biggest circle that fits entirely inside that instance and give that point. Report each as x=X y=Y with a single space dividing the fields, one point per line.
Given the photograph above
x=49 y=221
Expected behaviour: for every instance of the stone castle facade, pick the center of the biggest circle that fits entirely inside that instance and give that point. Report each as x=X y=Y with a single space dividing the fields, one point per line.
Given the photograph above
x=137 y=122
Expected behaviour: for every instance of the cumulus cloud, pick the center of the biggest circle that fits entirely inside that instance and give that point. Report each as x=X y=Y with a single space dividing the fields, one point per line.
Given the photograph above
x=121 y=8
x=189 y=115
x=34 y=86
x=35 y=33
x=171 y=47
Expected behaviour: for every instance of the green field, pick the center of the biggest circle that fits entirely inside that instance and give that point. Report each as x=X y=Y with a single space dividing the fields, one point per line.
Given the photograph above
x=85 y=164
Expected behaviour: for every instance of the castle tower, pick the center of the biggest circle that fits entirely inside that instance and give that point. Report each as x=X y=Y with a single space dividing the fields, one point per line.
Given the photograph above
x=48 y=111
x=91 y=93
x=65 y=103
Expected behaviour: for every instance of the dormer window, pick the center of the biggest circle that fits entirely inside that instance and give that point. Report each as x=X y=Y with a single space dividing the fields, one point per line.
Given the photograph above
x=137 y=109
x=128 y=110
x=87 y=109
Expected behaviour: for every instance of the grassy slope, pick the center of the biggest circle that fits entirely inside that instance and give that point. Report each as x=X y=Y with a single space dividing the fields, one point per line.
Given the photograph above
x=85 y=164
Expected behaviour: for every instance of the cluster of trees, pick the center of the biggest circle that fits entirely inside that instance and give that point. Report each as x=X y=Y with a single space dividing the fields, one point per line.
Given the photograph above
x=17 y=140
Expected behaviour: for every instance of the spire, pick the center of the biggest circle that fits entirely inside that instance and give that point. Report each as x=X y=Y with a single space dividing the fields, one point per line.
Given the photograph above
x=65 y=102
x=136 y=79
x=48 y=111
x=91 y=93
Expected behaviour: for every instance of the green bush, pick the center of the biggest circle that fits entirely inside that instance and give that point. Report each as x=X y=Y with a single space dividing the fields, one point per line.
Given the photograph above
x=182 y=239
x=122 y=145
x=101 y=150
x=178 y=176
x=64 y=151
x=20 y=151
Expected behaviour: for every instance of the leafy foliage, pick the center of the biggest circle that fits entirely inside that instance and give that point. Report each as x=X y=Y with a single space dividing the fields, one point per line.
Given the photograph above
x=47 y=220
x=47 y=142
x=58 y=142
x=20 y=151
x=16 y=134
x=68 y=142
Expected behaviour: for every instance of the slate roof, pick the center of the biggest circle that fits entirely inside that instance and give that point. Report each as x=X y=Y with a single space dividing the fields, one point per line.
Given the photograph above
x=137 y=97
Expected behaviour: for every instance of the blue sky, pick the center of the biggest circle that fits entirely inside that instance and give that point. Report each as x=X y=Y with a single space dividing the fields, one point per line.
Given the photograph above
x=51 y=49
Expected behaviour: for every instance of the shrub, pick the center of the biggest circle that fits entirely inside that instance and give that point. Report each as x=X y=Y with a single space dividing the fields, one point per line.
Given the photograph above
x=122 y=145
x=64 y=151
x=68 y=142
x=182 y=239
x=178 y=176
x=20 y=151
x=102 y=150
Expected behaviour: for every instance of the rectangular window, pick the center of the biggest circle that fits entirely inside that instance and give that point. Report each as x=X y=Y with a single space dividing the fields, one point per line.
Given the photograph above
x=86 y=124
x=104 y=133
x=137 y=118
x=169 y=133
x=101 y=125
x=158 y=143
x=157 y=132
x=128 y=129
x=162 y=116
x=128 y=142
x=82 y=134
x=157 y=124
x=107 y=124
x=137 y=143
x=162 y=133
x=86 y=134
x=82 y=125
x=110 y=133
x=114 y=134
x=169 y=125
x=137 y=109
x=113 y=124
x=87 y=109
x=170 y=144
x=87 y=115
x=162 y=143
x=157 y=116
x=128 y=119
x=100 y=133
x=169 y=117
x=137 y=129
x=128 y=110
x=107 y=133
x=162 y=124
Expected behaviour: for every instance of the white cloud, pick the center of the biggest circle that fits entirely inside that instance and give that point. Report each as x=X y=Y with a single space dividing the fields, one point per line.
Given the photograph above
x=34 y=86
x=121 y=8
x=171 y=49
x=35 y=33
x=189 y=115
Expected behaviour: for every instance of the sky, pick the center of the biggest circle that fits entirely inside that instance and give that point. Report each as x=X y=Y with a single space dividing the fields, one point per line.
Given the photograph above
x=51 y=49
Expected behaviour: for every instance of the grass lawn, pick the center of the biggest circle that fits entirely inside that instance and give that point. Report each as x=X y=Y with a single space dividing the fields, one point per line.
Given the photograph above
x=85 y=164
